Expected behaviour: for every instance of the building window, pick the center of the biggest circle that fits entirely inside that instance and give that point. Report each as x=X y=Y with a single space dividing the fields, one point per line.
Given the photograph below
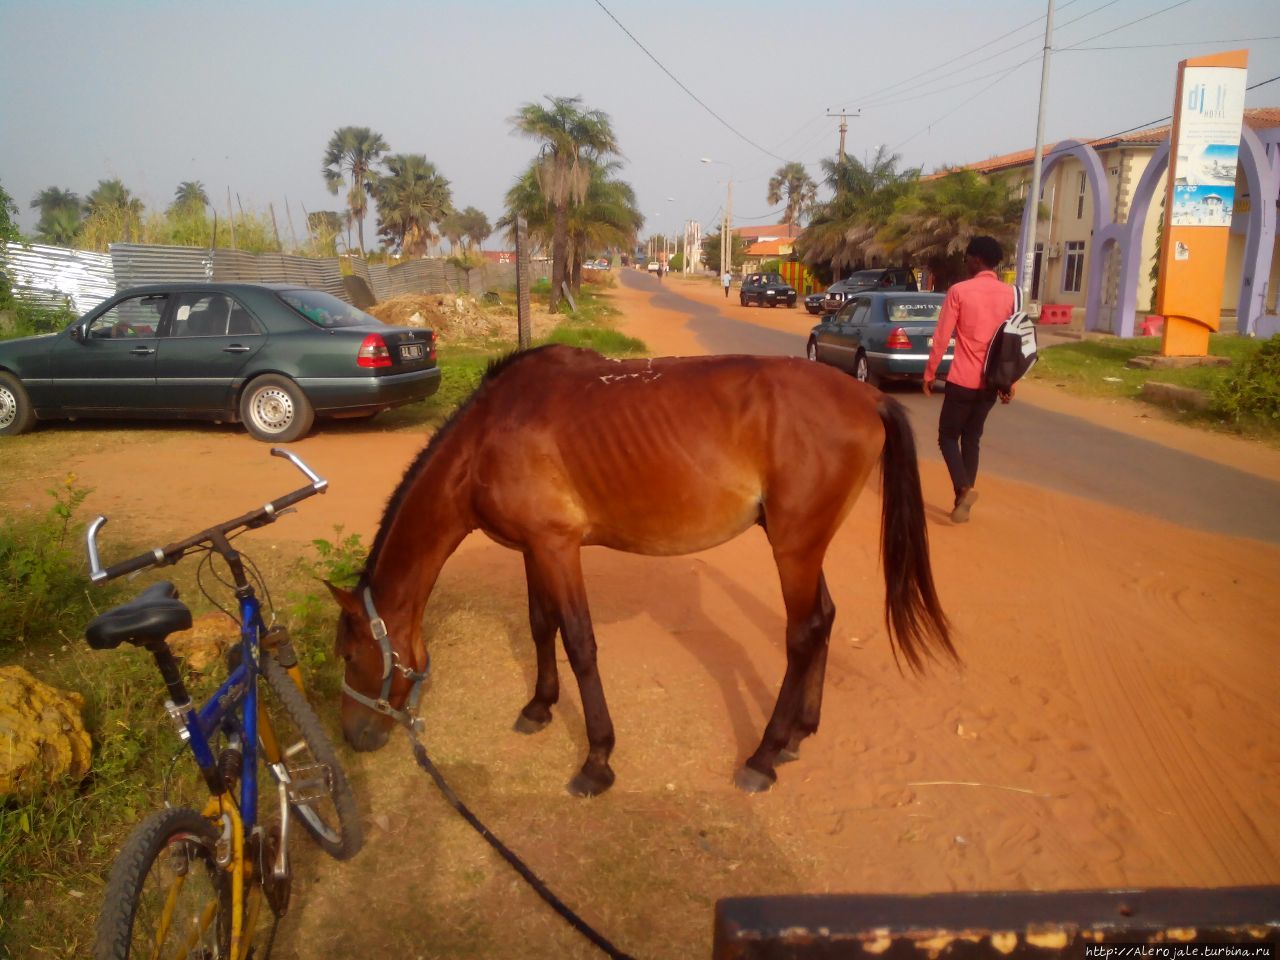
x=1073 y=266
x=1080 y=198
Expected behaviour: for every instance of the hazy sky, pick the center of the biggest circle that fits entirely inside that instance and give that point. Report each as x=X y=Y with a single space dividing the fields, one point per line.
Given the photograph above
x=246 y=95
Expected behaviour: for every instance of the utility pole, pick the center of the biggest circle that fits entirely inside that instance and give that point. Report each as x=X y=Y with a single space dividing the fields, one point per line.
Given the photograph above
x=726 y=235
x=1029 y=251
x=844 y=126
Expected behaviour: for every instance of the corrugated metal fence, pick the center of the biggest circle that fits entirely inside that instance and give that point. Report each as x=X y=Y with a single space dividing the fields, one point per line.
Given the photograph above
x=54 y=275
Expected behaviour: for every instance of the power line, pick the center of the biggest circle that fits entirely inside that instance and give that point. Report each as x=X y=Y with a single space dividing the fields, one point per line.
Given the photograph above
x=975 y=96
x=1021 y=43
x=1180 y=3
x=1182 y=43
x=732 y=129
x=961 y=56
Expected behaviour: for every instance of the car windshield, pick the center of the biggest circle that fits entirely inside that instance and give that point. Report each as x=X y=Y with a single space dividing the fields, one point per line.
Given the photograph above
x=914 y=310
x=863 y=278
x=323 y=309
x=772 y=278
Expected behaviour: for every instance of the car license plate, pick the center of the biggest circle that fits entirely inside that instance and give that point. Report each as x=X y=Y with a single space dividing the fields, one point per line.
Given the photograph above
x=411 y=351
x=950 y=343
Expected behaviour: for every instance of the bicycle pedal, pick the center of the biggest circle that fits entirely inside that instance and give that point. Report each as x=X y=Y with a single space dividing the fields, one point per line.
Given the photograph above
x=310 y=782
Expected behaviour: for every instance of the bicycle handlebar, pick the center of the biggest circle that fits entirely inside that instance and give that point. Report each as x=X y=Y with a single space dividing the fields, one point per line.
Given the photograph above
x=163 y=556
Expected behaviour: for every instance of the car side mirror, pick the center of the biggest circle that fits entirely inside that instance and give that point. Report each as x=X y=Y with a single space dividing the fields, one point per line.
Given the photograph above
x=76 y=332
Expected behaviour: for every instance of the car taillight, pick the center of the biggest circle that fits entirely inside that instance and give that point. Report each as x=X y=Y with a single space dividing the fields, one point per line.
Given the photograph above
x=898 y=340
x=432 y=351
x=373 y=352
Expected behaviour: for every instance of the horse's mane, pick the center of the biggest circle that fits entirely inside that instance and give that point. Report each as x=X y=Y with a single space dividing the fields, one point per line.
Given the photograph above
x=495 y=369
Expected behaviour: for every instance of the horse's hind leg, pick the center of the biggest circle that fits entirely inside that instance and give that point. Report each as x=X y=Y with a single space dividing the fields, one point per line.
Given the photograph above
x=559 y=573
x=543 y=624
x=809 y=617
x=806 y=722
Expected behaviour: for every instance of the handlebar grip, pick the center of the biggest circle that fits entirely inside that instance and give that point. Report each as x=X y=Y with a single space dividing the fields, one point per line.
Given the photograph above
x=155 y=558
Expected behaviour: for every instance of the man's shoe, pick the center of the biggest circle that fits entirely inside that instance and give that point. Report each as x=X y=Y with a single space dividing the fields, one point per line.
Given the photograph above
x=968 y=497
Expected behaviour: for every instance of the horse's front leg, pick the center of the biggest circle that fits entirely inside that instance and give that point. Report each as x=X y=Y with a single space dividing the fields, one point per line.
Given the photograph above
x=559 y=572
x=543 y=623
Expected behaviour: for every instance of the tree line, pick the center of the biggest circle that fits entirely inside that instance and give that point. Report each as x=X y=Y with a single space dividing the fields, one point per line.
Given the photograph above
x=881 y=213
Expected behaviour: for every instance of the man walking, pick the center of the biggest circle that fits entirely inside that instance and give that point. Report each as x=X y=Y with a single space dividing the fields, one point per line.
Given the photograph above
x=724 y=282
x=973 y=311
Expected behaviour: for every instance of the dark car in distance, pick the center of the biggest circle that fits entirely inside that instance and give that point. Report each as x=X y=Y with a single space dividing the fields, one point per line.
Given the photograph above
x=813 y=302
x=272 y=356
x=885 y=279
x=766 y=290
x=881 y=336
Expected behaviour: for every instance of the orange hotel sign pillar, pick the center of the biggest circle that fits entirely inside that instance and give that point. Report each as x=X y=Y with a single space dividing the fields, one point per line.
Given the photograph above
x=1201 y=192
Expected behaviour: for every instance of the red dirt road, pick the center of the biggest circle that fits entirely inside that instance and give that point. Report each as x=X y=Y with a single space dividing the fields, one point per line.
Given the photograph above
x=1116 y=722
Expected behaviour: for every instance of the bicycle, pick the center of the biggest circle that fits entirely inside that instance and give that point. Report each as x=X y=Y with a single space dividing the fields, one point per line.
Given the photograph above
x=190 y=883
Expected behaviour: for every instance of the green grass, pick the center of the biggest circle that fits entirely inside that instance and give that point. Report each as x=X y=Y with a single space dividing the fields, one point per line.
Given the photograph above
x=1097 y=367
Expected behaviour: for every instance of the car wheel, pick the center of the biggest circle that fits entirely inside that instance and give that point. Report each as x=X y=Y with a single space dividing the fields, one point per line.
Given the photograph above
x=862 y=370
x=811 y=349
x=16 y=413
x=743 y=300
x=275 y=410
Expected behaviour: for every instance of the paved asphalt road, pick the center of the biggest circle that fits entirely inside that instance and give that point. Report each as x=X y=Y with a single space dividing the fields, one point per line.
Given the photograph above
x=1036 y=446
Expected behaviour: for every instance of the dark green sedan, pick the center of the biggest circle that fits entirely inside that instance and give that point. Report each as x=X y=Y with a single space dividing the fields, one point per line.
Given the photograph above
x=881 y=336
x=272 y=356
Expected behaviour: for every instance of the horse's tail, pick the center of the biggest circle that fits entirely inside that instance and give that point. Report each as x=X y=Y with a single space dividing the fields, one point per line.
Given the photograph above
x=912 y=613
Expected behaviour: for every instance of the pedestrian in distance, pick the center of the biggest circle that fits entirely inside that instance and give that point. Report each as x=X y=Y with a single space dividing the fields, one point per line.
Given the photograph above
x=725 y=280
x=972 y=312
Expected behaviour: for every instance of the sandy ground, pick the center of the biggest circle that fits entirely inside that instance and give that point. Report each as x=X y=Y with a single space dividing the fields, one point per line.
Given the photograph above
x=1115 y=723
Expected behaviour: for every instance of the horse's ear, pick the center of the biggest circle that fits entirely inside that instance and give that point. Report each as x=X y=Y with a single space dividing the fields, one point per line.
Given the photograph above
x=346 y=599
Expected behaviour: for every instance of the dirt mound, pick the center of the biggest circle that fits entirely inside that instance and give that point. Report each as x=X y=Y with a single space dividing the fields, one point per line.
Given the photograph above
x=456 y=317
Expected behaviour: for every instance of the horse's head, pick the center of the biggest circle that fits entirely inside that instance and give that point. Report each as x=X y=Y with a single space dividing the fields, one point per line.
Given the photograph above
x=383 y=670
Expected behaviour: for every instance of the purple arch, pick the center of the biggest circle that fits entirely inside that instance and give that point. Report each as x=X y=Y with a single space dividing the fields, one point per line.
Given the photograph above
x=1261 y=160
x=1100 y=191
x=1260 y=157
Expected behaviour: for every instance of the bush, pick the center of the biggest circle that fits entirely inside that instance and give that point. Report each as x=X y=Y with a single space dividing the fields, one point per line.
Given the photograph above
x=1252 y=392
x=43 y=592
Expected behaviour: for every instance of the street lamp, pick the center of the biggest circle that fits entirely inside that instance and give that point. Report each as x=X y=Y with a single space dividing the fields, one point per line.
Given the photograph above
x=726 y=235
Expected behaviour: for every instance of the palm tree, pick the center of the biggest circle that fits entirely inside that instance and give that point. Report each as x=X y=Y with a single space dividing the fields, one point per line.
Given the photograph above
x=935 y=224
x=475 y=226
x=59 y=226
x=112 y=195
x=353 y=151
x=792 y=182
x=190 y=196
x=411 y=197
x=568 y=135
x=54 y=198
x=60 y=216
x=842 y=233
x=607 y=217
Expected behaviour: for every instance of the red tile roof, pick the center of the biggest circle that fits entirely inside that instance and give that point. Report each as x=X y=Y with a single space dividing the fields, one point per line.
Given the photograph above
x=771 y=248
x=1259 y=118
x=771 y=230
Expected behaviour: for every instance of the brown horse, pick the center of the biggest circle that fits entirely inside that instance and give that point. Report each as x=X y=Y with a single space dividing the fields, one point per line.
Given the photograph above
x=561 y=448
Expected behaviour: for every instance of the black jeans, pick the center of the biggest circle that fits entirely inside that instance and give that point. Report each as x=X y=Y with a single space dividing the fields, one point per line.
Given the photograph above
x=964 y=413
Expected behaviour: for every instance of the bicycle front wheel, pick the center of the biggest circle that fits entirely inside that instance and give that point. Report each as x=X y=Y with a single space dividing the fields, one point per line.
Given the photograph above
x=319 y=794
x=166 y=896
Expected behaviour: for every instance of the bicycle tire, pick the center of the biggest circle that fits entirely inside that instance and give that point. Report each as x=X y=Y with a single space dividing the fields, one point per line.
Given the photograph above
x=343 y=839
x=132 y=908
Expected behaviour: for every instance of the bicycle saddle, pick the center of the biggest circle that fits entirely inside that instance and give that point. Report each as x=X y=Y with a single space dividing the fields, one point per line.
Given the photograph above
x=145 y=620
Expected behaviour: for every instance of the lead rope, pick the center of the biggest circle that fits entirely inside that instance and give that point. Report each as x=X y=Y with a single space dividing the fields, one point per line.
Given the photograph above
x=520 y=867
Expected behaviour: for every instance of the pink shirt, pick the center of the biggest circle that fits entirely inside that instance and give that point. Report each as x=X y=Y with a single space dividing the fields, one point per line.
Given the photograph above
x=972 y=312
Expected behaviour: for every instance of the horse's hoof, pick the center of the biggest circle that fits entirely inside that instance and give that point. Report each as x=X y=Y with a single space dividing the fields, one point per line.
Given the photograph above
x=525 y=724
x=584 y=784
x=751 y=780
